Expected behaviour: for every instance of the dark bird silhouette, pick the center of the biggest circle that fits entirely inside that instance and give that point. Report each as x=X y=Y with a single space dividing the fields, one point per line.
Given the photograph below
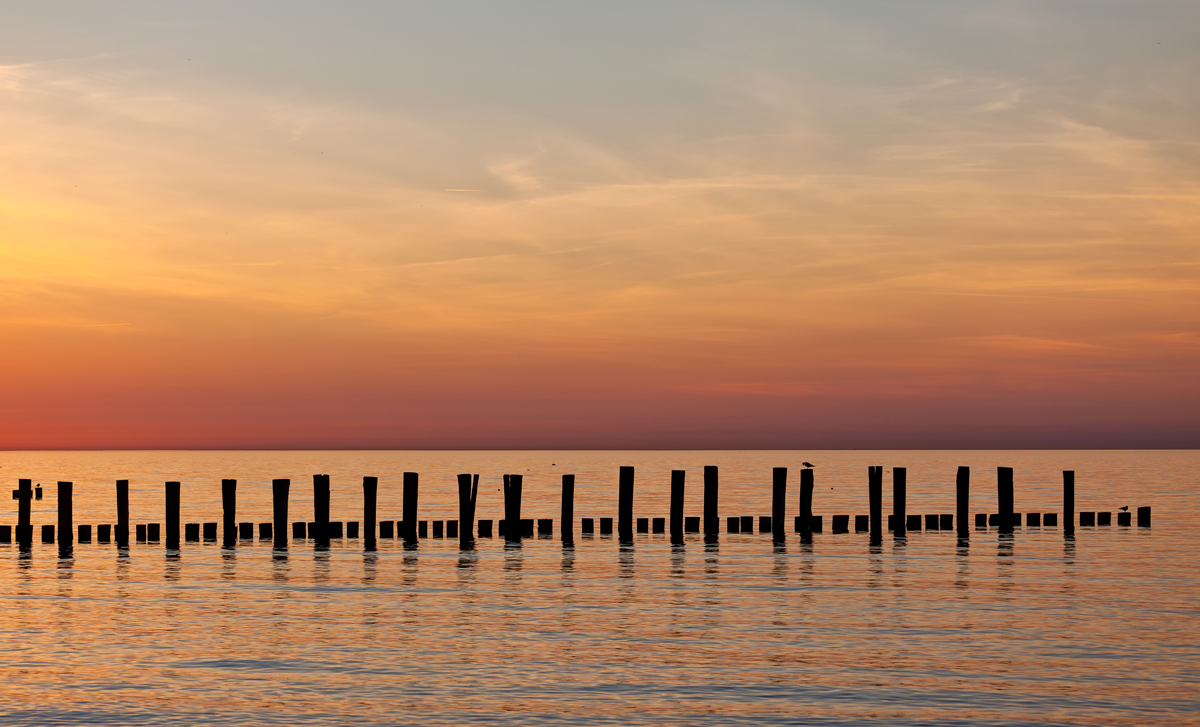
x=807 y=464
x=1126 y=508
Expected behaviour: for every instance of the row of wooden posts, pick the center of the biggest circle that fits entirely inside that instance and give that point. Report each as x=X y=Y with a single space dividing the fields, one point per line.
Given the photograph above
x=468 y=488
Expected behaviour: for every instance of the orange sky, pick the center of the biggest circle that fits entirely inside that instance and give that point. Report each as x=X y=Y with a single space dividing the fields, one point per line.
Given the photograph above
x=694 y=226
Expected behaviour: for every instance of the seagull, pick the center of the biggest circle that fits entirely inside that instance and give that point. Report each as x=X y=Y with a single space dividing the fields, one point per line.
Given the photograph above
x=807 y=464
x=1125 y=509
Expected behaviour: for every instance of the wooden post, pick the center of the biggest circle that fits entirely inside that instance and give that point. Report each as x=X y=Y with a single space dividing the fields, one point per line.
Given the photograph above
x=122 y=513
x=779 y=504
x=321 y=510
x=1143 y=516
x=712 y=523
x=410 y=508
x=568 y=510
x=1004 y=497
x=963 y=485
x=900 y=501
x=370 y=497
x=1069 y=502
x=229 y=530
x=625 y=505
x=677 y=489
x=280 y=491
x=512 y=507
x=172 y=515
x=24 y=505
x=875 y=492
x=468 y=491
x=806 y=495
x=66 y=525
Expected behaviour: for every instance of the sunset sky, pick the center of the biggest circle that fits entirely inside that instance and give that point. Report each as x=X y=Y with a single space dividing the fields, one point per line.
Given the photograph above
x=535 y=224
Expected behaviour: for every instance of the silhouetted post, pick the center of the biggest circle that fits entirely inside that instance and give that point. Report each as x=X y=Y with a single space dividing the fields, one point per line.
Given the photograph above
x=122 y=513
x=370 y=496
x=1004 y=497
x=712 y=523
x=1143 y=516
x=24 y=505
x=875 y=492
x=229 y=529
x=1068 y=502
x=410 y=508
x=321 y=510
x=468 y=491
x=779 y=503
x=625 y=505
x=512 y=507
x=677 y=484
x=172 y=515
x=280 y=491
x=963 y=485
x=66 y=525
x=568 y=509
x=806 y=495
x=900 y=501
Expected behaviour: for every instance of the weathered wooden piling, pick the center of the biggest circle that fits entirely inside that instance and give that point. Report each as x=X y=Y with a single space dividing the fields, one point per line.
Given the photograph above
x=246 y=531
x=643 y=525
x=191 y=532
x=567 y=515
x=875 y=492
x=210 y=532
x=171 y=516
x=85 y=533
x=468 y=491
x=512 y=507
x=66 y=525
x=658 y=525
x=712 y=522
x=1004 y=498
x=862 y=523
x=122 y=513
x=678 y=478
x=24 y=508
x=764 y=524
x=1125 y=518
x=963 y=490
x=806 y=495
x=152 y=532
x=587 y=525
x=47 y=533
x=900 y=501
x=104 y=533
x=485 y=528
x=1143 y=517
x=411 y=481
x=451 y=528
x=281 y=490
x=625 y=504
x=266 y=531
x=370 y=498
x=229 y=513
x=691 y=525
x=606 y=526
x=841 y=523
x=1068 y=502
x=733 y=525
x=779 y=503
x=321 y=511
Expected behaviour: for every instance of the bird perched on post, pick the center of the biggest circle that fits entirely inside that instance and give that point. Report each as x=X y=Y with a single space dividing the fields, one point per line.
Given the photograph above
x=807 y=464
x=1125 y=509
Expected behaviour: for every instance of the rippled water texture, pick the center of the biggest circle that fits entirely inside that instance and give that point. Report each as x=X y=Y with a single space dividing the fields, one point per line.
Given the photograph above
x=1032 y=628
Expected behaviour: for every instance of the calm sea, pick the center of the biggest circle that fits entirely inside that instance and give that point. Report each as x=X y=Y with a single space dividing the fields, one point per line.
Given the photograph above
x=1034 y=628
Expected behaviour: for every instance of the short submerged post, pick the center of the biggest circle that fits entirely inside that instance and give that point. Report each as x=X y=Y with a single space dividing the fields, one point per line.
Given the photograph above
x=677 y=484
x=468 y=491
x=1068 y=502
x=806 y=495
x=370 y=496
x=779 y=503
x=963 y=485
x=900 y=501
x=229 y=530
x=512 y=507
x=122 y=513
x=410 y=508
x=1004 y=497
x=172 y=515
x=568 y=509
x=875 y=493
x=66 y=526
x=280 y=490
x=625 y=505
x=321 y=510
x=712 y=523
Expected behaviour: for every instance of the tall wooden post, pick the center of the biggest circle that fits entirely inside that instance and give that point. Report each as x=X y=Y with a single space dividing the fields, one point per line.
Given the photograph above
x=280 y=491
x=122 y=513
x=875 y=492
x=321 y=510
x=963 y=485
x=229 y=529
x=712 y=522
x=24 y=506
x=410 y=508
x=900 y=501
x=370 y=497
x=806 y=495
x=172 y=515
x=468 y=491
x=66 y=524
x=568 y=509
x=677 y=485
x=1004 y=497
x=512 y=508
x=779 y=504
x=625 y=505
x=1068 y=502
